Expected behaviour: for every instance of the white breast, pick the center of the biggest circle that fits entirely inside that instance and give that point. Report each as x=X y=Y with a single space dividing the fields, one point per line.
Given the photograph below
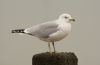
x=64 y=30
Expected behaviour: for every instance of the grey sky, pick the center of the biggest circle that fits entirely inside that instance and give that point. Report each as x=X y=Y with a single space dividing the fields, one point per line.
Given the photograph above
x=84 y=39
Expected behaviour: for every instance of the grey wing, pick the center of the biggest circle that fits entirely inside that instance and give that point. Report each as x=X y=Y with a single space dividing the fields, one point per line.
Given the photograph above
x=43 y=30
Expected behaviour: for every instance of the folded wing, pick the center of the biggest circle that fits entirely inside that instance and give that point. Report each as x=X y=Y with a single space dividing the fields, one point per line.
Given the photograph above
x=43 y=30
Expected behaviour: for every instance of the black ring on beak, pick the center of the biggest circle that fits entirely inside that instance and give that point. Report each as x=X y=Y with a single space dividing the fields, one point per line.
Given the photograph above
x=72 y=19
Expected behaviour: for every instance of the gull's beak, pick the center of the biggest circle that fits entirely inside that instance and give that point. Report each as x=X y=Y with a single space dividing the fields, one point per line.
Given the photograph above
x=72 y=20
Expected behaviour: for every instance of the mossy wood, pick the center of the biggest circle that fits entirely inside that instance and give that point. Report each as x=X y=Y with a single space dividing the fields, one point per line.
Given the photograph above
x=62 y=58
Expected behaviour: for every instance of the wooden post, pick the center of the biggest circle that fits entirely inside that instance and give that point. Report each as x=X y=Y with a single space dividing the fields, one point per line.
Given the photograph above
x=62 y=58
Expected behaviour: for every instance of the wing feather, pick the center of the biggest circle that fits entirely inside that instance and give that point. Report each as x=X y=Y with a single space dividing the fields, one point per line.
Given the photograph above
x=43 y=30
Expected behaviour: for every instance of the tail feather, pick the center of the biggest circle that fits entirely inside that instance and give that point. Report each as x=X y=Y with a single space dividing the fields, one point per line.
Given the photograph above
x=18 y=31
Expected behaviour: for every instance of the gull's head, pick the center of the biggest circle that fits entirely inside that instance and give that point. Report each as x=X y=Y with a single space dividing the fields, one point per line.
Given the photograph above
x=66 y=17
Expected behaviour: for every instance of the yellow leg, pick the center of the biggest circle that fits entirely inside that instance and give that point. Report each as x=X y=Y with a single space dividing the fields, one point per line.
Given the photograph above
x=49 y=47
x=54 y=47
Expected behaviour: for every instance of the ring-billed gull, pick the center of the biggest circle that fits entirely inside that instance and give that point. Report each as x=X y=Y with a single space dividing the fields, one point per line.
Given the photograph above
x=51 y=31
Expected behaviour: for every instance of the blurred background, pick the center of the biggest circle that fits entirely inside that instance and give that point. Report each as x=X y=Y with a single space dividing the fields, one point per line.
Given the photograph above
x=84 y=39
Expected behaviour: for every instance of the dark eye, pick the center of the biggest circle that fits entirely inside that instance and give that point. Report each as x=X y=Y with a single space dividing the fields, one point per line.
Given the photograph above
x=65 y=17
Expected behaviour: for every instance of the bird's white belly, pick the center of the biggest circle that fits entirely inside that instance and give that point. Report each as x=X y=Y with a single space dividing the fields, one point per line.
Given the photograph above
x=55 y=37
x=60 y=34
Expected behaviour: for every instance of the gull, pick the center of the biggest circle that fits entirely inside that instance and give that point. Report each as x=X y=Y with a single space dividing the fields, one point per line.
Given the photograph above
x=50 y=31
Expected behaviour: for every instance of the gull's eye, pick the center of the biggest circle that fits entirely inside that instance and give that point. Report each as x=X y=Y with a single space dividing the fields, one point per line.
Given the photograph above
x=65 y=17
